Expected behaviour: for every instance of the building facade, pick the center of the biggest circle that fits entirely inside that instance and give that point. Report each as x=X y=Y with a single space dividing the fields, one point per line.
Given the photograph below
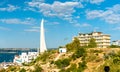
x=117 y=42
x=102 y=40
x=25 y=57
x=62 y=50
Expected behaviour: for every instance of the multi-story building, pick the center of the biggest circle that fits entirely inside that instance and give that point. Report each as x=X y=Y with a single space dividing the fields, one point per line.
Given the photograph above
x=102 y=40
x=117 y=42
x=25 y=57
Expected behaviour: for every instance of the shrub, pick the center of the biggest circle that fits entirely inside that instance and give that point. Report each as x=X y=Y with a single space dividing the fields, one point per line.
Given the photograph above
x=62 y=70
x=82 y=66
x=96 y=51
x=91 y=57
x=92 y=43
x=22 y=70
x=43 y=57
x=62 y=63
x=79 y=53
x=38 y=69
x=12 y=68
x=73 y=68
x=2 y=70
x=116 y=61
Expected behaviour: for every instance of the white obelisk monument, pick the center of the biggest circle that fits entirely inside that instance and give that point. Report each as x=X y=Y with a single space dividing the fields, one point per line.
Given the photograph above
x=42 y=38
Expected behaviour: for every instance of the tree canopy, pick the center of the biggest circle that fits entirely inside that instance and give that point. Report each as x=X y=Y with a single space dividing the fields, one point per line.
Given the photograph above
x=92 y=43
x=73 y=45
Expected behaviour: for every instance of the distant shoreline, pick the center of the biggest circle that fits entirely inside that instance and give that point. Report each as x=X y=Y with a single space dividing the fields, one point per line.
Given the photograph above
x=23 y=48
x=8 y=52
x=16 y=48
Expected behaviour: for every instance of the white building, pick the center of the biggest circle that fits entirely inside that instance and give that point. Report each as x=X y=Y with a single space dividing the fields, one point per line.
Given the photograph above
x=62 y=50
x=102 y=40
x=32 y=55
x=117 y=42
x=25 y=57
x=17 y=60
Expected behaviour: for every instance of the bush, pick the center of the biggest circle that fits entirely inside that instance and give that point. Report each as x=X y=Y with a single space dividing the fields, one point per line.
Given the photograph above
x=116 y=61
x=96 y=51
x=73 y=68
x=114 y=46
x=22 y=70
x=62 y=63
x=92 y=43
x=82 y=66
x=62 y=70
x=38 y=69
x=43 y=57
x=2 y=70
x=91 y=57
x=79 y=53
x=12 y=68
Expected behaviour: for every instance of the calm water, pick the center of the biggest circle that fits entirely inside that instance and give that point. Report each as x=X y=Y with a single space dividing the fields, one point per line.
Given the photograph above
x=8 y=56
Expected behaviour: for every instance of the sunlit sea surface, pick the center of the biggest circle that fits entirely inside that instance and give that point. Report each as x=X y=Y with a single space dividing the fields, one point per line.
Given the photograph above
x=8 y=55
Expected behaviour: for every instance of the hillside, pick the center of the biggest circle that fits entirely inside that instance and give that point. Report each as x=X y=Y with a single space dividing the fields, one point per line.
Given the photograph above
x=82 y=60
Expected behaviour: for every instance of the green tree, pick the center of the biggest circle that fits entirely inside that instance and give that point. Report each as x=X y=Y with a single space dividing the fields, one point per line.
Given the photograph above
x=76 y=43
x=61 y=46
x=92 y=43
x=73 y=45
x=114 y=46
x=79 y=53
x=69 y=47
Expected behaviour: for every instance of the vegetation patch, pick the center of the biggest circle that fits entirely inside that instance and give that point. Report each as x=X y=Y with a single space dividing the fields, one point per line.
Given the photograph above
x=61 y=63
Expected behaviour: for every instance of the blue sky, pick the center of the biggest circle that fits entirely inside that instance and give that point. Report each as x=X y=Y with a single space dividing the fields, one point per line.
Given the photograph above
x=64 y=19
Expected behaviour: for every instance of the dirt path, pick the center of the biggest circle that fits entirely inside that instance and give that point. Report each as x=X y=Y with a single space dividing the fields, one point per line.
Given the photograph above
x=58 y=56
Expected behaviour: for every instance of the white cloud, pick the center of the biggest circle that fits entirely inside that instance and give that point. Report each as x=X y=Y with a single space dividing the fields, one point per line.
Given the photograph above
x=51 y=22
x=94 y=14
x=27 y=21
x=113 y=18
x=4 y=28
x=38 y=0
x=96 y=28
x=10 y=8
x=115 y=8
x=96 y=1
x=91 y=1
x=82 y=25
x=33 y=29
x=55 y=23
x=117 y=28
x=110 y=15
x=28 y=8
x=77 y=17
x=36 y=27
x=57 y=9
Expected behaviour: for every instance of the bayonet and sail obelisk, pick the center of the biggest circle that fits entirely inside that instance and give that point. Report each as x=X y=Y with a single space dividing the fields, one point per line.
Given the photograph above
x=42 y=38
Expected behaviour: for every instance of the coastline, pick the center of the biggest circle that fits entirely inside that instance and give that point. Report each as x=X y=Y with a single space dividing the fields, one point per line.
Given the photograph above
x=8 y=52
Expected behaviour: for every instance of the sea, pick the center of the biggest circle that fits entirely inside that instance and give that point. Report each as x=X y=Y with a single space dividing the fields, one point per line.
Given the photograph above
x=7 y=54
